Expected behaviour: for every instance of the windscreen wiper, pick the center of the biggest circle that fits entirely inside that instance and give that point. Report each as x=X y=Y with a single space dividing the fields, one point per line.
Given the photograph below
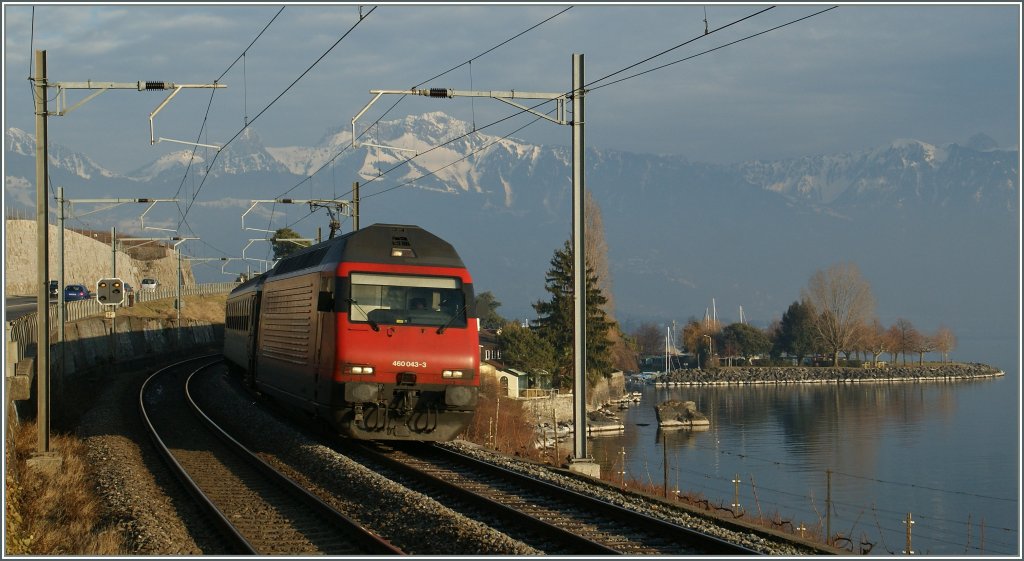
x=373 y=324
x=441 y=329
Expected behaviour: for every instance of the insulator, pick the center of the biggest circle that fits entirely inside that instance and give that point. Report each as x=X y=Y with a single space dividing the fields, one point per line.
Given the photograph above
x=438 y=92
x=157 y=85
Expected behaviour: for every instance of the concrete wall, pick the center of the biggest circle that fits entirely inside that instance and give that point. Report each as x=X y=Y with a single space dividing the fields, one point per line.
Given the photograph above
x=90 y=344
x=605 y=390
x=541 y=408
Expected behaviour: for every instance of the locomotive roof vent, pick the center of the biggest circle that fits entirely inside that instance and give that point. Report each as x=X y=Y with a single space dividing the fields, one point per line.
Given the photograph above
x=400 y=247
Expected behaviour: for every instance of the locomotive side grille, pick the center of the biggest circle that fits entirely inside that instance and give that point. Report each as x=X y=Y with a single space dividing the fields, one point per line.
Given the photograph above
x=287 y=324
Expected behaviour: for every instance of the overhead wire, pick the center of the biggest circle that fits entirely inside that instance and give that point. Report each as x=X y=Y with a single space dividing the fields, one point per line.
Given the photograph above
x=272 y=102
x=452 y=69
x=387 y=111
x=647 y=59
x=638 y=74
x=683 y=44
x=206 y=117
x=381 y=174
x=435 y=171
x=406 y=161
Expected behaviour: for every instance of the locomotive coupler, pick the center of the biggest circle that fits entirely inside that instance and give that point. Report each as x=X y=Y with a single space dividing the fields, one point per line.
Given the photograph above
x=359 y=415
x=402 y=404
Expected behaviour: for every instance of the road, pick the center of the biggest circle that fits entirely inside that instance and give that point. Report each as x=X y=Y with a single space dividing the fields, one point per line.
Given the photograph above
x=17 y=306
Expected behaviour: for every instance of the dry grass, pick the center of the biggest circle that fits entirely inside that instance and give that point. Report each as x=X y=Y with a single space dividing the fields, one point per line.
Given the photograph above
x=202 y=308
x=55 y=513
x=499 y=424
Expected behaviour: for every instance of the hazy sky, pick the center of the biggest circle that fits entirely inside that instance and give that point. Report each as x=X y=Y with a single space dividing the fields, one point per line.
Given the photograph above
x=851 y=78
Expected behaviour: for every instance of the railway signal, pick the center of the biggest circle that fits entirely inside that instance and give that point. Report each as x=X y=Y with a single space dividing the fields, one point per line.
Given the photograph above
x=110 y=292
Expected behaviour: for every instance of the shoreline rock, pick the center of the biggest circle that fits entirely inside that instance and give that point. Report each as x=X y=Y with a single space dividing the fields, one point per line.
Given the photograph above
x=828 y=375
x=676 y=413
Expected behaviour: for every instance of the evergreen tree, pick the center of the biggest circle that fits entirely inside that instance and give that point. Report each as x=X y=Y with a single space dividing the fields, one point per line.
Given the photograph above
x=522 y=348
x=555 y=320
x=486 y=309
x=747 y=340
x=284 y=248
x=796 y=332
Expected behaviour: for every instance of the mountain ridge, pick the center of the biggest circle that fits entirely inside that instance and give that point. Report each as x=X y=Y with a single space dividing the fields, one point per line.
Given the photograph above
x=821 y=180
x=913 y=215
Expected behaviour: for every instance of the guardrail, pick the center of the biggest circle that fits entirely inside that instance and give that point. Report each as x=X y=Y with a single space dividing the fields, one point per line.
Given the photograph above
x=23 y=330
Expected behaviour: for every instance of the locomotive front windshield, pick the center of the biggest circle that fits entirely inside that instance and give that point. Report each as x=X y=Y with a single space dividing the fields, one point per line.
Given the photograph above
x=407 y=300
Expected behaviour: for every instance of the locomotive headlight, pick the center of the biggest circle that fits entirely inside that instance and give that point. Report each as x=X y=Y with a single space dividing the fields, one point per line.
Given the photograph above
x=359 y=369
x=451 y=374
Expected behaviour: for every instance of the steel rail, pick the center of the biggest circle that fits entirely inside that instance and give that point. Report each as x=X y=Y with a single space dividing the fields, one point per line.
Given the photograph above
x=370 y=541
x=225 y=526
x=331 y=528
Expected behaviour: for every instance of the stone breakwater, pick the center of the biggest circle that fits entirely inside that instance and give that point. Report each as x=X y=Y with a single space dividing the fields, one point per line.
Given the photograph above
x=827 y=375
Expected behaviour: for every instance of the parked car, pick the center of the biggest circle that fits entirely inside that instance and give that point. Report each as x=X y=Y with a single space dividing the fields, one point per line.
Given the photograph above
x=149 y=284
x=73 y=292
x=53 y=289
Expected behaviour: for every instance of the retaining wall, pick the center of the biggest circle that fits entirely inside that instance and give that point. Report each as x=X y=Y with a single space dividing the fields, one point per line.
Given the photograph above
x=90 y=343
x=561 y=404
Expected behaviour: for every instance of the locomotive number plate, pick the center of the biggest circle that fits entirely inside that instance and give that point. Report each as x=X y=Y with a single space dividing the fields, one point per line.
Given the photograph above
x=409 y=364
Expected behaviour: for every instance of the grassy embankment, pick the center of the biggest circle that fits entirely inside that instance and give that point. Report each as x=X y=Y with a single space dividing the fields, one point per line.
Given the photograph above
x=61 y=513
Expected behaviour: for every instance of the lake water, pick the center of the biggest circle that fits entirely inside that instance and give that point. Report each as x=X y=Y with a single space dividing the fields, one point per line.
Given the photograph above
x=946 y=453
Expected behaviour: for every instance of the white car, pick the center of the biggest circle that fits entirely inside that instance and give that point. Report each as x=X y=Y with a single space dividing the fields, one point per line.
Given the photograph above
x=149 y=284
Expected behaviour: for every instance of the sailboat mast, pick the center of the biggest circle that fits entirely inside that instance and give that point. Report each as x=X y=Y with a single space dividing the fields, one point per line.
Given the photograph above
x=666 y=349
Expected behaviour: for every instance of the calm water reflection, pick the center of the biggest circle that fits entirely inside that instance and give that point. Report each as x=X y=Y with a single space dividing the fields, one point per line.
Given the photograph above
x=948 y=453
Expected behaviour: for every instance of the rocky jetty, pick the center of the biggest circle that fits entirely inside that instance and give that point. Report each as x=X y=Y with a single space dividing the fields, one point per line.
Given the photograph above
x=603 y=420
x=680 y=414
x=823 y=375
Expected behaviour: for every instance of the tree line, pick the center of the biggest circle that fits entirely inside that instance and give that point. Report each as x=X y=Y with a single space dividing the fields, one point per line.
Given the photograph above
x=834 y=316
x=543 y=346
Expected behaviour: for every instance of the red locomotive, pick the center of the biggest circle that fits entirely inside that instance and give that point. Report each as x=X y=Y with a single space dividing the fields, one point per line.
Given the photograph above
x=374 y=331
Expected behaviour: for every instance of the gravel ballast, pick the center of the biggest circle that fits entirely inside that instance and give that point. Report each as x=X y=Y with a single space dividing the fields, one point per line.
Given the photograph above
x=158 y=517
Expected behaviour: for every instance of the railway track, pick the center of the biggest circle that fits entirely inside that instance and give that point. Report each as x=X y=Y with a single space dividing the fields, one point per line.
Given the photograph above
x=552 y=519
x=258 y=510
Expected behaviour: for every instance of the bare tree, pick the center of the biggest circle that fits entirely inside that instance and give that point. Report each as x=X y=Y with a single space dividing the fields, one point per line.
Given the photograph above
x=892 y=343
x=874 y=341
x=697 y=337
x=945 y=341
x=924 y=344
x=597 y=252
x=843 y=300
x=623 y=358
x=650 y=339
x=904 y=337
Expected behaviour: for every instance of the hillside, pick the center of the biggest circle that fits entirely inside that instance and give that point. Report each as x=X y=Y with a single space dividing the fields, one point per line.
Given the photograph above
x=86 y=260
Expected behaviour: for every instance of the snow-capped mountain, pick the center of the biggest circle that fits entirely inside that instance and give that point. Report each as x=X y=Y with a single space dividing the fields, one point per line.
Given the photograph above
x=922 y=221
x=17 y=141
x=246 y=154
x=438 y=152
x=905 y=172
